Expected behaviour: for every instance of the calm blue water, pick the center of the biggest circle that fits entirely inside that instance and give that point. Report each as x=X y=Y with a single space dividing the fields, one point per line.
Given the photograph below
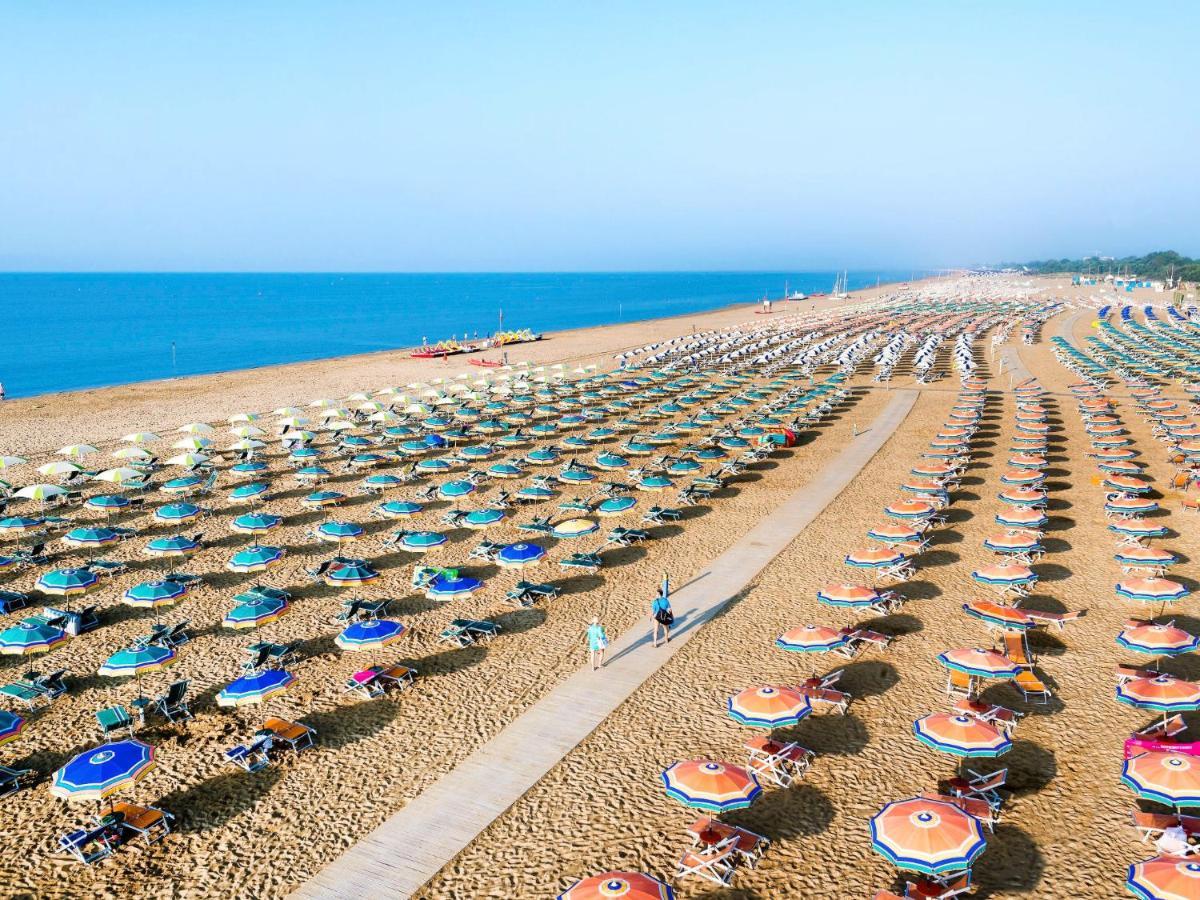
x=73 y=331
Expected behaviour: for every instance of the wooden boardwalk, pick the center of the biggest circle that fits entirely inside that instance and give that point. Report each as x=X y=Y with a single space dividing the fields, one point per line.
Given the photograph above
x=413 y=845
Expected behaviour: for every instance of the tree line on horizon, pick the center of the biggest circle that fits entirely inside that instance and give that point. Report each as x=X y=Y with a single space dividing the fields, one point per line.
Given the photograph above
x=1159 y=265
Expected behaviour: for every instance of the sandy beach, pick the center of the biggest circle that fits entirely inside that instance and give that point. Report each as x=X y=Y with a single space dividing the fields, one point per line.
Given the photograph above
x=1065 y=833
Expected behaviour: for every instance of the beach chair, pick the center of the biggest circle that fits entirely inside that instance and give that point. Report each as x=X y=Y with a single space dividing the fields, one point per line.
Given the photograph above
x=1031 y=687
x=980 y=787
x=526 y=593
x=13 y=780
x=465 y=632
x=1151 y=825
x=107 y=567
x=318 y=573
x=26 y=693
x=89 y=845
x=1163 y=730
x=973 y=806
x=590 y=562
x=1016 y=648
x=184 y=578
x=865 y=637
x=114 y=718
x=11 y=601
x=959 y=684
x=1000 y=716
x=396 y=676
x=1125 y=672
x=173 y=704
x=365 y=683
x=537 y=526
x=627 y=537
x=280 y=655
x=485 y=550
x=32 y=556
x=780 y=763
x=931 y=889
x=149 y=823
x=258 y=662
x=298 y=737
x=252 y=757
x=1058 y=620
x=827 y=697
x=717 y=866
x=661 y=515
x=747 y=844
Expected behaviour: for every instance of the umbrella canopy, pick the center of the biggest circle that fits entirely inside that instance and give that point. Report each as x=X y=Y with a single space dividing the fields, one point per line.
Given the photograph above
x=847 y=595
x=1137 y=528
x=137 y=661
x=1165 y=640
x=894 y=534
x=255 y=611
x=154 y=594
x=369 y=634
x=1151 y=590
x=874 y=558
x=979 y=663
x=176 y=545
x=67 y=582
x=90 y=537
x=811 y=639
x=1169 y=778
x=1164 y=693
x=927 y=836
x=961 y=735
x=20 y=524
x=452 y=490
x=29 y=637
x=618 y=886
x=999 y=615
x=1022 y=517
x=97 y=773
x=575 y=528
x=255 y=523
x=1014 y=541
x=177 y=512
x=257 y=687
x=11 y=726
x=482 y=518
x=350 y=574
x=421 y=541
x=1145 y=557
x=258 y=558
x=909 y=509
x=339 y=532
x=768 y=706
x=1161 y=878
x=444 y=587
x=1005 y=574
x=517 y=556
x=249 y=491
x=615 y=506
x=714 y=786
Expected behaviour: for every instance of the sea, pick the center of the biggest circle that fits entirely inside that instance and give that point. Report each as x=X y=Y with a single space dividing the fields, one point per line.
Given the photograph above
x=73 y=331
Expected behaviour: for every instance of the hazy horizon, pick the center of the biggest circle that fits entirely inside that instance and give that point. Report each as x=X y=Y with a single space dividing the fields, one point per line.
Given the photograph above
x=534 y=137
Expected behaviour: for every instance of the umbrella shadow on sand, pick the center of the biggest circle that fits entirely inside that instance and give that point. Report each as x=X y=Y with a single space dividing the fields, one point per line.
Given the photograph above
x=868 y=678
x=212 y=803
x=1012 y=863
x=345 y=725
x=830 y=735
x=800 y=811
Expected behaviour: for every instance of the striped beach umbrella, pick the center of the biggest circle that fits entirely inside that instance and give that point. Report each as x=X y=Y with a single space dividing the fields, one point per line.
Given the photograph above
x=181 y=485
x=175 y=545
x=1151 y=590
x=369 y=634
x=811 y=639
x=1145 y=557
x=1014 y=541
x=255 y=611
x=399 y=509
x=322 y=499
x=927 y=836
x=102 y=771
x=910 y=509
x=1165 y=640
x=1172 y=779
x=1130 y=506
x=874 y=558
x=1130 y=484
x=574 y=528
x=177 y=512
x=154 y=594
x=256 y=687
x=11 y=726
x=961 y=735
x=453 y=490
x=1160 y=878
x=847 y=595
x=520 y=555
x=107 y=502
x=654 y=483
x=1022 y=497
x=257 y=558
x=137 y=661
x=768 y=706
x=251 y=491
x=711 y=785
x=350 y=573
x=255 y=523
x=450 y=587
x=1163 y=693
x=18 y=525
x=888 y=533
x=482 y=518
x=618 y=886
x=998 y=615
x=1004 y=575
x=339 y=532
x=67 y=582
x=422 y=541
x=31 y=637
x=615 y=506
x=90 y=537
x=979 y=663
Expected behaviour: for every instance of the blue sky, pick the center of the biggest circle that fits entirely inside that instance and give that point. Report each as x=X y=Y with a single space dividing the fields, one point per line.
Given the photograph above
x=640 y=135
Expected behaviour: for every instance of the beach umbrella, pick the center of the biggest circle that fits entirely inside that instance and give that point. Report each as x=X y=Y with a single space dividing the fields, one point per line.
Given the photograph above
x=255 y=611
x=257 y=558
x=654 y=483
x=1004 y=575
x=961 y=735
x=7 y=462
x=1023 y=497
x=1022 y=517
x=322 y=499
x=847 y=595
x=255 y=523
x=574 y=528
x=1163 y=693
x=811 y=639
x=60 y=467
x=1145 y=557
x=175 y=545
x=154 y=594
x=1014 y=541
x=178 y=512
x=927 y=836
x=249 y=491
x=611 y=461
x=77 y=451
x=433 y=465
x=30 y=637
x=90 y=537
x=452 y=490
x=195 y=428
x=768 y=706
x=1136 y=528
x=1130 y=506
x=1151 y=590
x=893 y=533
x=256 y=687
x=192 y=443
x=997 y=614
x=707 y=784
x=1166 y=640
x=11 y=726
x=369 y=634
x=188 y=460
x=311 y=474
x=383 y=481
x=979 y=663
x=1127 y=483
x=20 y=525
x=350 y=573
x=1169 y=778
x=518 y=556
x=909 y=509
x=181 y=485
x=339 y=532
x=421 y=541
x=444 y=587
x=40 y=492
x=137 y=661
x=482 y=518
x=67 y=582
x=97 y=773
x=874 y=558
x=618 y=886
x=576 y=475
x=615 y=506
x=399 y=509
x=1160 y=878
x=141 y=437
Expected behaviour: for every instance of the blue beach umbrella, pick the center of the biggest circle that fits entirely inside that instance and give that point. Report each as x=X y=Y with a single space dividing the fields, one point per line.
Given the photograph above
x=97 y=773
x=181 y=485
x=350 y=573
x=258 y=558
x=175 y=545
x=399 y=509
x=483 y=518
x=249 y=491
x=452 y=490
x=420 y=541
x=576 y=475
x=615 y=506
x=255 y=523
x=339 y=532
x=433 y=465
x=20 y=525
x=255 y=612
x=177 y=512
x=382 y=481
x=535 y=492
x=10 y=726
x=257 y=687
x=369 y=634
x=517 y=556
x=249 y=468
x=107 y=502
x=322 y=499
x=153 y=594
x=29 y=637
x=447 y=588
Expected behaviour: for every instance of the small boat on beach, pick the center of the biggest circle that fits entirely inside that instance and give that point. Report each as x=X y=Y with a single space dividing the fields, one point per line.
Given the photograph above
x=453 y=347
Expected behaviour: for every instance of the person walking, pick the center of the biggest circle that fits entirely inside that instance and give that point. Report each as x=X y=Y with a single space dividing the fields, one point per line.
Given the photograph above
x=597 y=643
x=660 y=611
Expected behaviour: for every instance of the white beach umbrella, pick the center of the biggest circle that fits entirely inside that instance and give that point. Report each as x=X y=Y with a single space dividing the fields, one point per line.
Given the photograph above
x=118 y=476
x=39 y=491
x=192 y=443
x=7 y=462
x=323 y=403
x=131 y=453
x=187 y=459
x=246 y=431
x=292 y=421
x=340 y=425
x=77 y=450
x=243 y=417
x=60 y=467
x=195 y=428
x=141 y=437
x=246 y=444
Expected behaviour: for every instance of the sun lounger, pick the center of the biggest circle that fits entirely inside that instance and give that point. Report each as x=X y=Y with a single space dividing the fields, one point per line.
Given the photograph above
x=297 y=736
x=465 y=632
x=661 y=515
x=12 y=780
x=838 y=700
x=864 y=637
x=89 y=845
x=11 y=601
x=526 y=593
x=982 y=787
x=960 y=684
x=149 y=823
x=717 y=867
x=1000 y=716
x=173 y=704
x=27 y=693
x=1058 y=620
x=1164 y=730
x=251 y=757
x=375 y=681
x=1031 y=687
x=588 y=561
x=748 y=845
x=486 y=550
x=1151 y=825
x=973 y=806
x=1017 y=649
x=537 y=526
x=1126 y=672
x=114 y=718
x=780 y=763
x=106 y=567
x=262 y=655
x=626 y=537
x=930 y=889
